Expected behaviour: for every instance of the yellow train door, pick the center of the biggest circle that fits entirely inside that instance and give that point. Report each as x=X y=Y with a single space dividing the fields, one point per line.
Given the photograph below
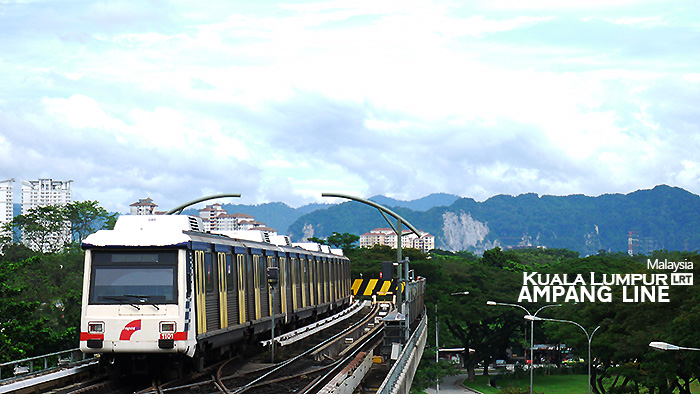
x=223 y=299
x=240 y=263
x=256 y=286
x=302 y=277
x=200 y=290
x=295 y=284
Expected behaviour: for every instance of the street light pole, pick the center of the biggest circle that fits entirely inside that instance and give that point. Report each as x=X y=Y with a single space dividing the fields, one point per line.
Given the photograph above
x=663 y=346
x=532 y=332
x=589 y=337
x=437 y=347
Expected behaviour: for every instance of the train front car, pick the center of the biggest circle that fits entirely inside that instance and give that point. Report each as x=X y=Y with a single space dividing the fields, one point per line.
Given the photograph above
x=136 y=301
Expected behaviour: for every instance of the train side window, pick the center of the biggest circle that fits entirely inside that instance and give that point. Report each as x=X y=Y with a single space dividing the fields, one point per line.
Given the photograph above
x=208 y=273
x=230 y=278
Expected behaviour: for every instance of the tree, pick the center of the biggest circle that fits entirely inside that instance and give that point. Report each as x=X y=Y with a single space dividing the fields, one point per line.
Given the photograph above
x=44 y=228
x=468 y=322
x=48 y=229
x=623 y=361
x=317 y=240
x=86 y=217
x=345 y=241
x=40 y=308
x=429 y=372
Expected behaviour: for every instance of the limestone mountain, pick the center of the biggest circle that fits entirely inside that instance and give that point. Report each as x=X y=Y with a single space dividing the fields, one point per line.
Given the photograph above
x=660 y=218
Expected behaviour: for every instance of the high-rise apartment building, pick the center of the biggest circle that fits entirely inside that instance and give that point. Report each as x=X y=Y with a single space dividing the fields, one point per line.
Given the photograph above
x=6 y=200
x=216 y=218
x=45 y=192
x=41 y=193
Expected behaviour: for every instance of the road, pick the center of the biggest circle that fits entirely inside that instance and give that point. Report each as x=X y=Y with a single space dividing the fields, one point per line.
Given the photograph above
x=451 y=385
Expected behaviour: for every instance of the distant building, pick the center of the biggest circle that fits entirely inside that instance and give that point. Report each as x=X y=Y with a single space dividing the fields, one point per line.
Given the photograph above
x=215 y=218
x=387 y=236
x=41 y=193
x=144 y=206
x=6 y=200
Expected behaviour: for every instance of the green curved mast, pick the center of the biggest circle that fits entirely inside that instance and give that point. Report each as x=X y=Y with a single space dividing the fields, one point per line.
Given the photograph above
x=180 y=208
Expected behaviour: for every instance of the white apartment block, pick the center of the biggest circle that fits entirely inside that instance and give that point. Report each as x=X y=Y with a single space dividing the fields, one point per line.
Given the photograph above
x=6 y=200
x=215 y=219
x=224 y=222
x=387 y=236
x=144 y=206
x=44 y=192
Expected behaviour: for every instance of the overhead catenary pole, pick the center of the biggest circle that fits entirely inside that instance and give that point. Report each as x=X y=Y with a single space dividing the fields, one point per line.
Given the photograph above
x=399 y=221
x=178 y=210
x=384 y=211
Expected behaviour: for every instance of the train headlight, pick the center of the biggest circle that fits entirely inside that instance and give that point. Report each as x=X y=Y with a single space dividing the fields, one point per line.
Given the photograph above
x=167 y=326
x=96 y=327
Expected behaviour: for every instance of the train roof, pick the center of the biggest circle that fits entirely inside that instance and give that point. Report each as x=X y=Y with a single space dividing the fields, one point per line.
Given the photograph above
x=180 y=231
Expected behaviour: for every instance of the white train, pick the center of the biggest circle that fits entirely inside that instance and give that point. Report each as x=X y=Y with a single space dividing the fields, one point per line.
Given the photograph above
x=157 y=286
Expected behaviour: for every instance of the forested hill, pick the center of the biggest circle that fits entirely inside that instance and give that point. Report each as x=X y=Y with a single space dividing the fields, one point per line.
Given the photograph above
x=661 y=218
x=280 y=216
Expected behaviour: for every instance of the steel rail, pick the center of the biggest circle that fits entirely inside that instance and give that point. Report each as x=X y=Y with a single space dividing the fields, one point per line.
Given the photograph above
x=293 y=359
x=339 y=365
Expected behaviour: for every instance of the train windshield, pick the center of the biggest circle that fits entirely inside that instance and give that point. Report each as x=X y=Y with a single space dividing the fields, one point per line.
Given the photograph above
x=133 y=277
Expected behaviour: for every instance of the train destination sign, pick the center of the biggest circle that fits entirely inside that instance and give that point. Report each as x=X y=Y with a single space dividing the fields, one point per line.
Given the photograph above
x=598 y=287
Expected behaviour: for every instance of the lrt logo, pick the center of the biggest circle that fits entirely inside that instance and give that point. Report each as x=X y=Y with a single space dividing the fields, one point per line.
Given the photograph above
x=681 y=279
x=129 y=330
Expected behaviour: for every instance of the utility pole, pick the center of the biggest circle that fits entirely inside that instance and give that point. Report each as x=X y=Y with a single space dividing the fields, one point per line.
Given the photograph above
x=437 y=346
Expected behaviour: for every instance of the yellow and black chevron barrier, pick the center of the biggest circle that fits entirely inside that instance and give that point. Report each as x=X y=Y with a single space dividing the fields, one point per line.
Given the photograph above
x=370 y=287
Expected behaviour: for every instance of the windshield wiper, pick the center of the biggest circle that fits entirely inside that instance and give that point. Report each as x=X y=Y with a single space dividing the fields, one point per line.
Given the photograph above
x=121 y=299
x=143 y=299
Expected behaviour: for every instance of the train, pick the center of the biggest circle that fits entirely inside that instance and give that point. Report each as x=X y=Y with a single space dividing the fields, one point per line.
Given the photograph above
x=158 y=287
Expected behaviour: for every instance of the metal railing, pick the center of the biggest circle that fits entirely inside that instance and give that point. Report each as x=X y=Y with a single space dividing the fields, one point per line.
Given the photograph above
x=400 y=376
x=27 y=365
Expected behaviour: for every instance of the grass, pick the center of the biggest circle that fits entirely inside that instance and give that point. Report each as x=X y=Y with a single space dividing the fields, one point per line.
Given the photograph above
x=552 y=384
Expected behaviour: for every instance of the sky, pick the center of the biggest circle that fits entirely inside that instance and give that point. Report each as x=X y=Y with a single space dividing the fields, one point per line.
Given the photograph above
x=282 y=101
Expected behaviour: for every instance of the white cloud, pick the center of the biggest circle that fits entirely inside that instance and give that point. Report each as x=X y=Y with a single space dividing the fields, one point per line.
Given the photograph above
x=282 y=100
x=79 y=111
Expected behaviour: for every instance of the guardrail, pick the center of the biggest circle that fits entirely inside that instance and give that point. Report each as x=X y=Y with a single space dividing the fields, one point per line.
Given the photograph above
x=27 y=365
x=400 y=376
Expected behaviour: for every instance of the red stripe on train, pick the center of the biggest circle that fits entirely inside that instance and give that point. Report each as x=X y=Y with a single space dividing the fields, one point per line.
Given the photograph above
x=176 y=336
x=84 y=336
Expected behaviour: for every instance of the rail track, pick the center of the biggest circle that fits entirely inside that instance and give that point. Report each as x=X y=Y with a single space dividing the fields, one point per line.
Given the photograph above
x=312 y=356
x=313 y=365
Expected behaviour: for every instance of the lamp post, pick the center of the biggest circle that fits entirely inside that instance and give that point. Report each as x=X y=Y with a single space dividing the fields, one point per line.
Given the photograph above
x=437 y=346
x=589 y=337
x=532 y=331
x=663 y=346
x=437 y=338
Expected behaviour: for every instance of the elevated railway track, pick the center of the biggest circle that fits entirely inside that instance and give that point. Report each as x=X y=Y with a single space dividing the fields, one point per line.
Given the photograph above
x=332 y=355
